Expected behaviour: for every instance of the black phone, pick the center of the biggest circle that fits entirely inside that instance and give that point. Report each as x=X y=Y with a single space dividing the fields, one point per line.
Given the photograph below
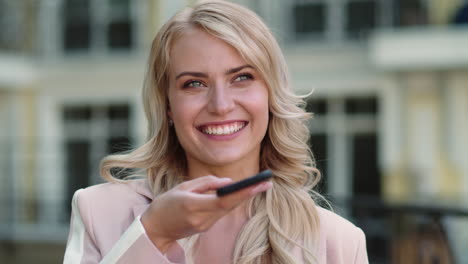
x=262 y=176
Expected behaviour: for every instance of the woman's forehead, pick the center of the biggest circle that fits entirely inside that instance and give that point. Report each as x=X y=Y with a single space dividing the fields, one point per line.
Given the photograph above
x=197 y=50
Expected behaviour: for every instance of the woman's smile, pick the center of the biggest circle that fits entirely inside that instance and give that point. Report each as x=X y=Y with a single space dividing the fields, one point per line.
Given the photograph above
x=223 y=129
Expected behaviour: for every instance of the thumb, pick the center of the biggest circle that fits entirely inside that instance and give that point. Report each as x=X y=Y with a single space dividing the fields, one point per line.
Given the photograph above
x=209 y=183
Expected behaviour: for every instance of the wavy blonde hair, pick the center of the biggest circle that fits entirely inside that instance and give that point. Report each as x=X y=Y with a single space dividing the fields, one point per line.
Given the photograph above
x=283 y=217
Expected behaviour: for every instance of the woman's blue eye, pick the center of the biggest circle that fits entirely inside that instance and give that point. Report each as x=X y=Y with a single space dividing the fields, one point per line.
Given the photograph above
x=243 y=77
x=193 y=84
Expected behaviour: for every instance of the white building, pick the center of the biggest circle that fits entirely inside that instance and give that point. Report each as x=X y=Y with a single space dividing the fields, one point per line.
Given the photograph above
x=391 y=99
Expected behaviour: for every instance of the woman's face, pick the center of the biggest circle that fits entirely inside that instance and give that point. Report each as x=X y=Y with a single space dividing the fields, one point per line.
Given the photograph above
x=218 y=102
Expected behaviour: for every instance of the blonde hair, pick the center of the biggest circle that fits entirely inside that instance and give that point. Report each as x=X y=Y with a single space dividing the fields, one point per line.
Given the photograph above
x=283 y=217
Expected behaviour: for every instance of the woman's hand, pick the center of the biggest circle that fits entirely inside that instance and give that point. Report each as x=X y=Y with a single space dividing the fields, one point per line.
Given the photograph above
x=188 y=209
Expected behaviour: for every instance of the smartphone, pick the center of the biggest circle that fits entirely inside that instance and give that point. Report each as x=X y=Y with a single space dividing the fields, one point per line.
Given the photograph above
x=262 y=176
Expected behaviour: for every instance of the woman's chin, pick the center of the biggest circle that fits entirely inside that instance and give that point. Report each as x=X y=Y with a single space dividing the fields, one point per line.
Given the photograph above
x=223 y=159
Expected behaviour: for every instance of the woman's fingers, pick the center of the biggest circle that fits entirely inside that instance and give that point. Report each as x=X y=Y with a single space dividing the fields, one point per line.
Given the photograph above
x=205 y=184
x=188 y=209
x=265 y=186
x=211 y=202
x=232 y=200
x=206 y=209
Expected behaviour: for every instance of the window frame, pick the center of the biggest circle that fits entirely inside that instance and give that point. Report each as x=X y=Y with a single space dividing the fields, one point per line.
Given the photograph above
x=100 y=21
x=336 y=20
x=340 y=129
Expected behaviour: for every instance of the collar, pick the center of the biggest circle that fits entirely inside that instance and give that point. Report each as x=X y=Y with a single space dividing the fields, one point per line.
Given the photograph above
x=141 y=186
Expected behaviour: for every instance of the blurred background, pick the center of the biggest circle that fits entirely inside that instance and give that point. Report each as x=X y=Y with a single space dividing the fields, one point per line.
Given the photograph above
x=390 y=82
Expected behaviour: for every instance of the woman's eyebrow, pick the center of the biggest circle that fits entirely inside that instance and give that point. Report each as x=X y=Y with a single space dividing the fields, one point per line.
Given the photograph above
x=236 y=69
x=204 y=75
x=196 y=74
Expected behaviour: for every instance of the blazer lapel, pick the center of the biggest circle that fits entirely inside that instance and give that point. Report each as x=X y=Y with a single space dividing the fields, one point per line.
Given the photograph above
x=138 y=209
x=141 y=186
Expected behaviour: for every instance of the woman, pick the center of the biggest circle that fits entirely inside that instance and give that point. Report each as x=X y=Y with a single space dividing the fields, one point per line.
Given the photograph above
x=219 y=110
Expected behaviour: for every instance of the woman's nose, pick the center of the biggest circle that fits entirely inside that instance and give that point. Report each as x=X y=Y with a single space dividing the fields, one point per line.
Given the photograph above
x=220 y=100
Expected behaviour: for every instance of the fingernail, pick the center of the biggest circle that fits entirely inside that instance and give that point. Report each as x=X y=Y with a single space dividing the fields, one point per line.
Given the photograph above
x=226 y=179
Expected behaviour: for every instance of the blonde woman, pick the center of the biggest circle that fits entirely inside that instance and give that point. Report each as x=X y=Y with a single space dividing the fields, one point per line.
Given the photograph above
x=219 y=109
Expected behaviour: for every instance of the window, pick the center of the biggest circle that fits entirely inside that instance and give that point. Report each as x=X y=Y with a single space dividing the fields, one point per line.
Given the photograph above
x=92 y=132
x=361 y=105
x=366 y=180
x=339 y=20
x=77 y=35
x=119 y=34
x=98 y=25
x=318 y=145
x=318 y=139
x=410 y=13
x=344 y=143
x=317 y=106
x=310 y=18
x=361 y=18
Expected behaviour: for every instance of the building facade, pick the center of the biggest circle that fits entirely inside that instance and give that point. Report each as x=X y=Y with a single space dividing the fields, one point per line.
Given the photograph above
x=390 y=102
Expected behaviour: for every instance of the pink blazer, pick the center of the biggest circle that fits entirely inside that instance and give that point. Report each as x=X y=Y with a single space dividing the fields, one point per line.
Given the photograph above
x=106 y=228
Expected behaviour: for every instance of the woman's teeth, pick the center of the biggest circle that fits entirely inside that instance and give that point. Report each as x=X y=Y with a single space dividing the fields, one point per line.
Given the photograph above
x=223 y=129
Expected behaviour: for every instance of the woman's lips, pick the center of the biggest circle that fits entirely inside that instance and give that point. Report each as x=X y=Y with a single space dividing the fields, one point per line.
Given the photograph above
x=222 y=128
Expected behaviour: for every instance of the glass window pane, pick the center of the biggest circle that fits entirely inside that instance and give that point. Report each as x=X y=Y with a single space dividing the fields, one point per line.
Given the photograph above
x=119 y=112
x=119 y=117
x=317 y=106
x=76 y=113
x=410 y=13
x=309 y=18
x=77 y=168
x=77 y=10
x=77 y=28
x=120 y=35
x=366 y=105
x=77 y=37
x=366 y=176
x=361 y=17
x=460 y=16
x=119 y=9
x=366 y=179
x=119 y=32
x=318 y=145
x=117 y=145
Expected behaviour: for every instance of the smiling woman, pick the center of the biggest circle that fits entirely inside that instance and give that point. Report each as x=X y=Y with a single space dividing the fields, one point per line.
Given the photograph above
x=218 y=102
x=219 y=109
